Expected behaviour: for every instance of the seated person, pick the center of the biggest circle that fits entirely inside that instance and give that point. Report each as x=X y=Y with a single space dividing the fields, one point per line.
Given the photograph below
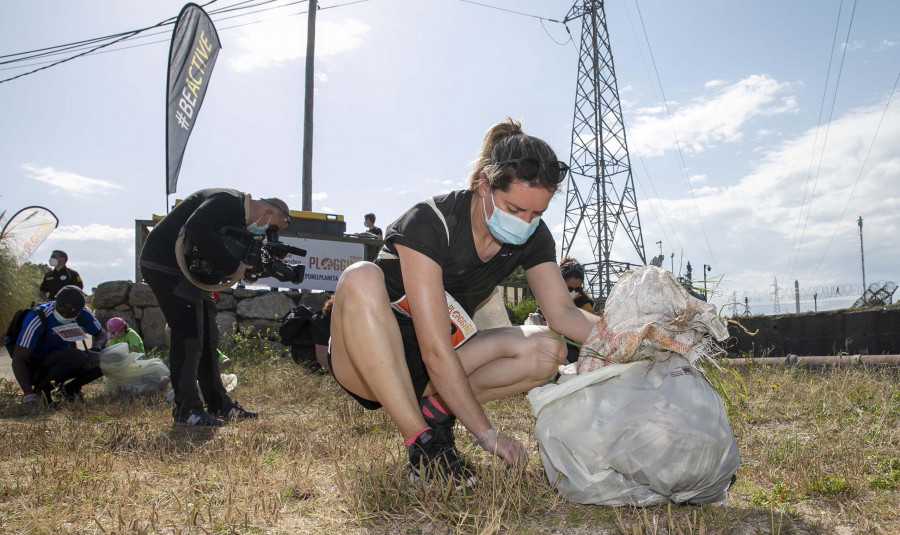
x=44 y=355
x=573 y=274
x=119 y=331
x=320 y=324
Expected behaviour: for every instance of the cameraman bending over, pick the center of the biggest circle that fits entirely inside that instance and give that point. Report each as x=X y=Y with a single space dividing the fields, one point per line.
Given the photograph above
x=191 y=311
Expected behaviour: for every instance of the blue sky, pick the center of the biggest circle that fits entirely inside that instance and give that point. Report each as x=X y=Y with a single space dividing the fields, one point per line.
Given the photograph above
x=406 y=89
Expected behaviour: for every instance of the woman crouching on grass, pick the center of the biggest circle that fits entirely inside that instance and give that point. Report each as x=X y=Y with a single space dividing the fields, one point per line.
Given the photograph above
x=392 y=344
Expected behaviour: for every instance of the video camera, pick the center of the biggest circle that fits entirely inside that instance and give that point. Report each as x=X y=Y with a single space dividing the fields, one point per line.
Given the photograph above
x=264 y=255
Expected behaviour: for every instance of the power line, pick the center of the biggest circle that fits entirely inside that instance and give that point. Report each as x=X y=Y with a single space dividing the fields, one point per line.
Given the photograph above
x=675 y=134
x=640 y=158
x=825 y=140
x=812 y=155
x=859 y=176
x=511 y=11
x=148 y=35
x=133 y=34
x=665 y=214
x=68 y=47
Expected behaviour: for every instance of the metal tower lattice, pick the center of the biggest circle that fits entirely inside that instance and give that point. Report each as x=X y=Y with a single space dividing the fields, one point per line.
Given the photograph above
x=600 y=198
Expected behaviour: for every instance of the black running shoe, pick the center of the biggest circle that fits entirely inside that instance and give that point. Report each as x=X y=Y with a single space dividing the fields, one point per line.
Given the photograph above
x=440 y=422
x=433 y=460
x=236 y=412
x=196 y=418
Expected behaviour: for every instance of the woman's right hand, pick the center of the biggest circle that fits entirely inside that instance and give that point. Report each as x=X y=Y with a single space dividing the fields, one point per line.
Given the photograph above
x=504 y=446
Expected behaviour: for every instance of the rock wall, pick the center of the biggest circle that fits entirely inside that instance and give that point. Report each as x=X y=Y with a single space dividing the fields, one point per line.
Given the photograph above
x=867 y=331
x=239 y=308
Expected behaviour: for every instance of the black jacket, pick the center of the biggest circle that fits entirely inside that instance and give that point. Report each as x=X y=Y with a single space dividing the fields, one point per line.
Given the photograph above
x=202 y=214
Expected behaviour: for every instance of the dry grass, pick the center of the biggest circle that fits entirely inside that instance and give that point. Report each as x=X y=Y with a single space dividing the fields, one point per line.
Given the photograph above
x=819 y=455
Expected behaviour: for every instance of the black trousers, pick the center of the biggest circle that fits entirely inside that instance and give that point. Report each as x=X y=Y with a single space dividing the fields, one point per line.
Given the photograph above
x=57 y=367
x=191 y=315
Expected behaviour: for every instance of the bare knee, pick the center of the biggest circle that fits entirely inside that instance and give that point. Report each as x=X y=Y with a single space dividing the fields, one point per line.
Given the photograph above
x=549 y=354
x=361 y=282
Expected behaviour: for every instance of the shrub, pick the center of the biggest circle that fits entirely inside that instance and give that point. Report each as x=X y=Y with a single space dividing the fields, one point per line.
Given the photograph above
x=18 y=284
x=521 y=310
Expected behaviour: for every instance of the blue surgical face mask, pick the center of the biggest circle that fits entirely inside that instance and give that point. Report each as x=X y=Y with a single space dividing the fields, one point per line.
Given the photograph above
x=59 y=317
x=506 y=227
x=259 y=230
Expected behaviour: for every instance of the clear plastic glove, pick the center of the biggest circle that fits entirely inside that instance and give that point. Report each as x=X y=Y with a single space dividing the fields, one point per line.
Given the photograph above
x=504 y=446
x=31 y=400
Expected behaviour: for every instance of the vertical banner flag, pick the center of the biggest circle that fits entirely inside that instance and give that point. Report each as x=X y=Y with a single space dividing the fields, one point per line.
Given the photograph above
x=192 y=56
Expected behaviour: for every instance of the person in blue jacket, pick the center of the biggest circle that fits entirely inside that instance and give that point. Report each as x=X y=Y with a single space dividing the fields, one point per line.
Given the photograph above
x=45 y=356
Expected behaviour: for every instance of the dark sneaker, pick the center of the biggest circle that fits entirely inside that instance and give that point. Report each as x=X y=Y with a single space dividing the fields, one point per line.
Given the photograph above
x=440 y=422
x=236 y=412
x=433 y=460
x=197 y=418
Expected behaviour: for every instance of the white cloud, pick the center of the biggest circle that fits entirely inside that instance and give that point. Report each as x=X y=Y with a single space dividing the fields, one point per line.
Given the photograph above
x=653 y=110
x=697 y=179
x=703 y=122
x=319 y=196
x=280 y=40
x=754 y=225
x=327 y=210
x=854 y=45
x=714 y=83
x=75 y=184
x=92 y=232
x=884 y=45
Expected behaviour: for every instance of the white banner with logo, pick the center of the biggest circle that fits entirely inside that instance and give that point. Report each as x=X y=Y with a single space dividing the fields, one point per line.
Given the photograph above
x=325 y=261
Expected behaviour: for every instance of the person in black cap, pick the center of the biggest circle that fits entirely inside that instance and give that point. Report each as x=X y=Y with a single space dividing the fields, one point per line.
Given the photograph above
x=191 y=311
x=45 y=357
x=58 y=277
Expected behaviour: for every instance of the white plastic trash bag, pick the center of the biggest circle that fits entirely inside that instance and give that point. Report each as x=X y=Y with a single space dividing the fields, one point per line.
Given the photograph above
x=127 y=374
x=642 y=433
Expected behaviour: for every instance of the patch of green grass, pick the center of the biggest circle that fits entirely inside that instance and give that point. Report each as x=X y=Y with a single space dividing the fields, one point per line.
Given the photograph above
x=830 y=486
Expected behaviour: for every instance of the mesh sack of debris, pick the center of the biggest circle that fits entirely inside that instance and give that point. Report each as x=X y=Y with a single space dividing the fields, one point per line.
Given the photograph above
x=643 y=427
x=128 y=374
x=647 y=315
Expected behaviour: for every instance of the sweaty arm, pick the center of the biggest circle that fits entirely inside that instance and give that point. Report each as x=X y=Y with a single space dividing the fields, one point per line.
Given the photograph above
x=428 y=308
x=552 y=296
x=20 y=369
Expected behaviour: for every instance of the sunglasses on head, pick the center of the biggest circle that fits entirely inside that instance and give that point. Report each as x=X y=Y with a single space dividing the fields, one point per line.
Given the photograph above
x=527 y=168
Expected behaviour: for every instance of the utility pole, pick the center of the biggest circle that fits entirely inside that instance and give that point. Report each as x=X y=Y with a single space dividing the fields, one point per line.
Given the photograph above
x=777 y=306
x=797 y=294
x=673 y=261
x=306 y=203
x=705 y=269
x=815 y=302
x=862 y=257
x=660 y=247
x=733 y=304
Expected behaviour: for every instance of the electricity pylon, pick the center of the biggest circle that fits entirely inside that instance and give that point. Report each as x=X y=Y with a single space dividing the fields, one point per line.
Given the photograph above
x=600 y=198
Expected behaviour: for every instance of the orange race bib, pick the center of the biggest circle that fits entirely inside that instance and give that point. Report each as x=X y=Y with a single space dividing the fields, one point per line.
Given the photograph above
x=461 y=325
